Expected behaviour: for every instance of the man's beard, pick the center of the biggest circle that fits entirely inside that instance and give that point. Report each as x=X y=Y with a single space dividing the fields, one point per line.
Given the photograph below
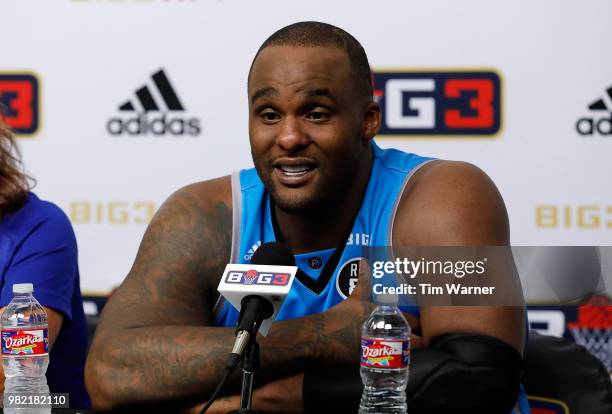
x=293 y=201
x=297 y=205
x=329 y=190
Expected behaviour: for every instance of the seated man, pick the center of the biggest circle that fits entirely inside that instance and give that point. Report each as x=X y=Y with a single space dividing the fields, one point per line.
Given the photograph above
x=324 y=188
x=37 y=245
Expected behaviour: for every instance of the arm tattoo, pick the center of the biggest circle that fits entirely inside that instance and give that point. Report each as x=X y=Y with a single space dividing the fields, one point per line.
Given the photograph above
x=152 y=342
x=156 y=345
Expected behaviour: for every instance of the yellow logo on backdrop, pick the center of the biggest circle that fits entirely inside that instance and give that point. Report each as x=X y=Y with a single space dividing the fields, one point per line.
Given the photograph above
x=583 y=216
x=112 y=212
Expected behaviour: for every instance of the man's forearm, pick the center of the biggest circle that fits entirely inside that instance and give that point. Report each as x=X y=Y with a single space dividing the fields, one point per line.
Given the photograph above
x=181 y=363
x=157 y=363
x=331 y=337
x=185 y=363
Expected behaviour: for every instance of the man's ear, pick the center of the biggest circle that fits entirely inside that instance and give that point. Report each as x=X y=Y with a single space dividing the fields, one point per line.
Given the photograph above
x=371 y=120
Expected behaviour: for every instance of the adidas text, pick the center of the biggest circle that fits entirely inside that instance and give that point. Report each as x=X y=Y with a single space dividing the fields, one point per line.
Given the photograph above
x=156 y=125
x=594 y=126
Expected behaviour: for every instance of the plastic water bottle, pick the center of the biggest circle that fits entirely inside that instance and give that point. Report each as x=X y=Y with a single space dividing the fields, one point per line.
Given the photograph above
x=385 y=358
x=25 y=350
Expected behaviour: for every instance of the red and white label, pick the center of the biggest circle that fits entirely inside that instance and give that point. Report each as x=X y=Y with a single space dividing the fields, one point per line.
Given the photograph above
x=385 y=353
x=25 y=342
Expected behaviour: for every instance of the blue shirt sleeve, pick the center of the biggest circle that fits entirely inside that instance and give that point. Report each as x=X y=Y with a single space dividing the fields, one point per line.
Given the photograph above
x=45 y=254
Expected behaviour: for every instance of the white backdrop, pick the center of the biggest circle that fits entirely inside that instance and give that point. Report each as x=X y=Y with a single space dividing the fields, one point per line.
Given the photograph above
x=91 y=56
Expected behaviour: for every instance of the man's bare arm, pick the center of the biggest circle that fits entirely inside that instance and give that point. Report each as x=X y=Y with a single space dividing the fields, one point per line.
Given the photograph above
x=155 y=342
x=150 y=343
x=456 y=204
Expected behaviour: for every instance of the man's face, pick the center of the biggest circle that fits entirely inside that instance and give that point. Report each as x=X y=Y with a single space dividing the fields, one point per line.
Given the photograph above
x=307 y=124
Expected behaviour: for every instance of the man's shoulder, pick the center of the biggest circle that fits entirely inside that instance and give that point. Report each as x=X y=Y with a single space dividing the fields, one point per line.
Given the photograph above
x=202 y=199
x=189 y=238
x=204 y=207
x=201 y=211
x=451 y=175
x=204 y=195
x=451 y=202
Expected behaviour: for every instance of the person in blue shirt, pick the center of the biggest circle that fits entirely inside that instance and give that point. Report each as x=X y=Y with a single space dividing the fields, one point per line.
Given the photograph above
x=322 y=187
x=38 y=246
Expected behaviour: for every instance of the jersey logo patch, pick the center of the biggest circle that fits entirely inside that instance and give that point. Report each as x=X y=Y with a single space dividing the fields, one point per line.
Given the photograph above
x=348 y=276
x=315 y=262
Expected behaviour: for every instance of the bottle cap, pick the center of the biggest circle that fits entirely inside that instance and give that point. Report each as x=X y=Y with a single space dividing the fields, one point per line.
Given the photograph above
x=23 y=288
x=387 y=299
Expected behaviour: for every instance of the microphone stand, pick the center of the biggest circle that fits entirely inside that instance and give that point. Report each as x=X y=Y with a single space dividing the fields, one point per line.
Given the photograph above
x=253 y=311
x=250 y=364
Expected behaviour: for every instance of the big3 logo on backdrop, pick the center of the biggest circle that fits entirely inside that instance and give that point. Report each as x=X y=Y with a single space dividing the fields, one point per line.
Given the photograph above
x=451 y=103
x=19 y=102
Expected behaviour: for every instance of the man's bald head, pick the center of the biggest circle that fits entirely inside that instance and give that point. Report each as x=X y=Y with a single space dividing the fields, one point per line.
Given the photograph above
x=317 y=34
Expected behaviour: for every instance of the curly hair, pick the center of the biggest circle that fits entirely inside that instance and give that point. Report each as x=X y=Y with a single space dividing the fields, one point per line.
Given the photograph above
x=14 y=182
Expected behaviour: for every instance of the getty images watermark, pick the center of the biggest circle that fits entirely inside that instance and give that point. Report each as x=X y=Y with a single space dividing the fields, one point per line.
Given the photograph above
x=489 y=275
x=411 y=269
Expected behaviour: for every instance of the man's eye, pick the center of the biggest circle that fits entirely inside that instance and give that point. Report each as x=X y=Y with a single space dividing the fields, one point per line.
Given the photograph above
x=317 y=116
x=269 y=116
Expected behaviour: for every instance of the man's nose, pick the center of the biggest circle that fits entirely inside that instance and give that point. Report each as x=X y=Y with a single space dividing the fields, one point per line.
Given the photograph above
x=291 y=136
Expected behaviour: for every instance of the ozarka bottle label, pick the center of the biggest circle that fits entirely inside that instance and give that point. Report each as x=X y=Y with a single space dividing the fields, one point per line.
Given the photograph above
x=385 y=353
x=25 y=342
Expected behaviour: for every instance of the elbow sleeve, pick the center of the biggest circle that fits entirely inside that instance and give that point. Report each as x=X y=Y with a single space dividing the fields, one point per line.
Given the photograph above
x=457 y=373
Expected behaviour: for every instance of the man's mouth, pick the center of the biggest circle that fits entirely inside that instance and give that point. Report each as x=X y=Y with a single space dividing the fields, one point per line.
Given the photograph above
x=294 y=172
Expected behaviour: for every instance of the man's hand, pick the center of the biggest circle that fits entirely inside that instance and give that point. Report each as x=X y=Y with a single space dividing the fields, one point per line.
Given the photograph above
x=344 y=320
x=339 y=338
x=280 y=396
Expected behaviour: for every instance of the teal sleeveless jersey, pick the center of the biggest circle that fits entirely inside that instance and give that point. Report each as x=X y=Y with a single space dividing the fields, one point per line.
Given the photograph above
x=391 y=169
x=252 y=226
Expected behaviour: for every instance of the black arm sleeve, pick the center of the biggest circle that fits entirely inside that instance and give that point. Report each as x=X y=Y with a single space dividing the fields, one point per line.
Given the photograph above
x=457 y=373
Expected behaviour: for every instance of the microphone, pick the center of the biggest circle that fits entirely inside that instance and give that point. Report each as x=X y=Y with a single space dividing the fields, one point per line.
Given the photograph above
x=258 y=290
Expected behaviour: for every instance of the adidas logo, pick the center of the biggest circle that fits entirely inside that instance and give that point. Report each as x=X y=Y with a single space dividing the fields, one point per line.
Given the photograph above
x=252 y=251
x=601 y=125
x=152 y=110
